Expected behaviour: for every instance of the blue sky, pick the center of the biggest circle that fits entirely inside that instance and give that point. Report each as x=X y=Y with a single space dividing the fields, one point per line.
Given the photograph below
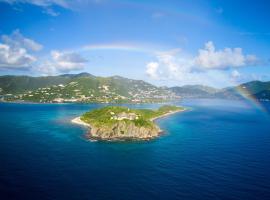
x=217 y=43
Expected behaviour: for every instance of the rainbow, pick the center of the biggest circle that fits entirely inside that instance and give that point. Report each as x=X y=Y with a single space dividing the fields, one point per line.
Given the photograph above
x=150 y=49
x=247 y=95
x=120 y=47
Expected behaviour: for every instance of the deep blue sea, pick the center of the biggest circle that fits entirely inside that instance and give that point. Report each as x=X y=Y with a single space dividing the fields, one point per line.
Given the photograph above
x=216 y=150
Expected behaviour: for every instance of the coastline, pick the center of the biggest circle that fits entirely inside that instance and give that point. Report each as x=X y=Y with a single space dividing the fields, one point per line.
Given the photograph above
x=167 y=114
x=92 y=102
x=78 y=121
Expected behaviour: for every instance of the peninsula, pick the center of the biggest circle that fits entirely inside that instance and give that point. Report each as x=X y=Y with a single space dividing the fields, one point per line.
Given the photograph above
x=122 y=123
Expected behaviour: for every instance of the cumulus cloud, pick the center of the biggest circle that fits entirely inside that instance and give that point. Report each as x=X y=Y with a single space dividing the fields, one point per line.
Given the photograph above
x=152 y=69
x=17 y=40
x=42 y=3
x=51 y=12
x=62 y=62
x=210 y=58
x=208 y=67
x=235 y=74
x=48 y=6
x=67 y=61
x=14 y=51
x=169 y=68
x=14 y=58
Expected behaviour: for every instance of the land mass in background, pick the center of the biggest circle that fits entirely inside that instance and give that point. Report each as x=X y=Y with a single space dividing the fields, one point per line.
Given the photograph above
x=87 y=88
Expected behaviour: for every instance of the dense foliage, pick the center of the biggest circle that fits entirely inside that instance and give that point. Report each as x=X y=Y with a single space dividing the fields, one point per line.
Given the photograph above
x=82 y=87
x=103 y=116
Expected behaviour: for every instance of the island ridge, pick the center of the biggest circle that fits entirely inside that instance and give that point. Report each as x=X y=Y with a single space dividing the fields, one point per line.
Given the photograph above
x=122 y=123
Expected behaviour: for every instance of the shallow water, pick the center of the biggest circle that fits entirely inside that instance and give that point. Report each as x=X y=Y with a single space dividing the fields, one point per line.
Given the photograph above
x=217 y=150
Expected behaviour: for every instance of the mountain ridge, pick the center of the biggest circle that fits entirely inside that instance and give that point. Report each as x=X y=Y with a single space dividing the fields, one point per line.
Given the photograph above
x=85 y=87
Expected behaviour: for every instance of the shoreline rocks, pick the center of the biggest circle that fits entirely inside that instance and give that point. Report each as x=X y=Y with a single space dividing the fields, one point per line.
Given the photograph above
x=123 y=130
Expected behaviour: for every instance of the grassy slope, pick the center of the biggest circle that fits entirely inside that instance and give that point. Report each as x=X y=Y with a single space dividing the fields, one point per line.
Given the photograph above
x=87 y=85
x=102 y=117
x=19 y=84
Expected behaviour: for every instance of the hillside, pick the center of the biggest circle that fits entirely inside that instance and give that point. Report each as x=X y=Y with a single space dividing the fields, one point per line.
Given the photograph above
x=194 y=91
x=82 y=87
x=115 y=122
x=19 y=84
x=85 y=87
x=257 y=89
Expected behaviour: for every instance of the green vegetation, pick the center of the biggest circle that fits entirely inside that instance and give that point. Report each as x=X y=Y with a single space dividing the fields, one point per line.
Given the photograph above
x=82 y=87
x=108 y=116
x=87 y=88
x=114 y=122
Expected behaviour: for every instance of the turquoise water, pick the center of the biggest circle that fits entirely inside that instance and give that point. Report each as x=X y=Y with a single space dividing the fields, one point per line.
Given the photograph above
x=217 y=150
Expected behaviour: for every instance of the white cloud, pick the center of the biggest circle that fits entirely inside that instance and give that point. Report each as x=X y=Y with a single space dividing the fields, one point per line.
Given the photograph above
x=210 y=58
x=235 y=74
x=62 y=62
x=42 y=3
x=152 y=69
x=14 y=58
x=67 y=61
x=14 y=51
x=51 y=12
x=48 y=4
x=209 y=67
x=251 y=59
x=17 y=40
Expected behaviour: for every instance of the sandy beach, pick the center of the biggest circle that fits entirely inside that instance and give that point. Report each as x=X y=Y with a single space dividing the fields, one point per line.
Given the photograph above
x=167 y=114
x=78 y=121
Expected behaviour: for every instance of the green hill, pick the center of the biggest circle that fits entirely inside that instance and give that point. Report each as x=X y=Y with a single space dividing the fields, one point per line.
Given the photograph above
x=82 y=87
x=257 y=89
x=19 y=84
x=115 y=122
x=194 y=91
x=85 y=87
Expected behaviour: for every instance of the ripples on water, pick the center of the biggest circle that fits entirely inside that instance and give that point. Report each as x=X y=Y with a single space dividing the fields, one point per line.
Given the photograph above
x=217 y=150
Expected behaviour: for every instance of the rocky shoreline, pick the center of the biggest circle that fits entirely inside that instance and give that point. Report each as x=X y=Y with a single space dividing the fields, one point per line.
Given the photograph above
x=145 y=134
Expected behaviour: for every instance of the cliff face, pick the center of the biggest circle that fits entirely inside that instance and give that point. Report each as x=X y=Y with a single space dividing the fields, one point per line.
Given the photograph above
x=124 y=130
x=123 y=123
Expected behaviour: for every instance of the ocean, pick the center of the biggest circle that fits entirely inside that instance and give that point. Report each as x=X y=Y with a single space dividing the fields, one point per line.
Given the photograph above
x=218 y=149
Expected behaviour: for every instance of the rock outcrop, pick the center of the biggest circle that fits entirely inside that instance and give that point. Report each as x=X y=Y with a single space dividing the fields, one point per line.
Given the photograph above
x=124 y=130
x=122 y=123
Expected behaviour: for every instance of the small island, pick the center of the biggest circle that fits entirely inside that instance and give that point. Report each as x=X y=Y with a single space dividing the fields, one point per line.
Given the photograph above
x=122 y=123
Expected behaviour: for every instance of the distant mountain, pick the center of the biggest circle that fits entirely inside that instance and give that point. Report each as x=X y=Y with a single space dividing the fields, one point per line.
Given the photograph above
x=85 y=87
x=20 y=84
x=82 y=87
x=194 y=91
x=83 y=74
x=256 y=89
